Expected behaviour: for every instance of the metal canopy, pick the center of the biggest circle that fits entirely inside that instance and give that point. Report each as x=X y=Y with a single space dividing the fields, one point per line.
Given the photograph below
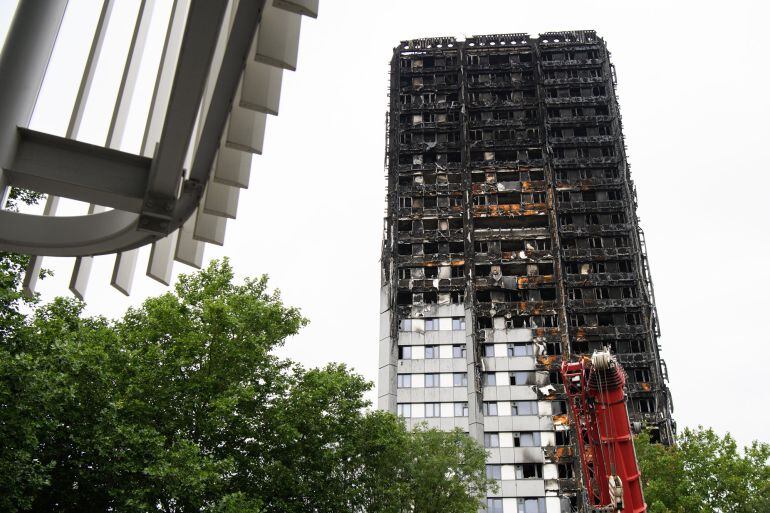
x=226 y=58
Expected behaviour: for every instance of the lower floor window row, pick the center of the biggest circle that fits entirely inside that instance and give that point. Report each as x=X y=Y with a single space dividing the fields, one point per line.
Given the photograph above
x=432 y=380
x=517 y=505
x=514 y=439
x=432 y=410
x=518 y=471
x=430 y=352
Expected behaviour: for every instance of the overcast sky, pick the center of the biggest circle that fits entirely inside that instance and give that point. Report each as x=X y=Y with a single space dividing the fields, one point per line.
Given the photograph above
x=692 y=86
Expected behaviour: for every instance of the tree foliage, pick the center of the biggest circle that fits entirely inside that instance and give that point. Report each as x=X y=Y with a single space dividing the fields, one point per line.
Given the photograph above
x=704 y=473
x=182 y=405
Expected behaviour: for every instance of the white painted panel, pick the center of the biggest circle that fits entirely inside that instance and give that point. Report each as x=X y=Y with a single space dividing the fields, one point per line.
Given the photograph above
x=553 y=505
x=506 y=439
x=418 y=352
x=418 y=410
x=501 y=350
x=304 y=7
x=519 y=335
x=161 y=262
x=507 y=472
x=278 y=38
x=550 y=471
x=445 y=323
x=209 y=228
x=445 y=351
x=418 y=380
x=547 y=438
x=246 y=130
x=123 y=271
x=544 y=408
x=445 y=380
x=503 y=408
x=188 y=250
x=502 y=378
x=221 y=200
x=447 y=409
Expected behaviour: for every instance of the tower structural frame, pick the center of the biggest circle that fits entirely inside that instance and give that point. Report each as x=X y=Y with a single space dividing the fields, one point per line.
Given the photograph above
x=511 y=244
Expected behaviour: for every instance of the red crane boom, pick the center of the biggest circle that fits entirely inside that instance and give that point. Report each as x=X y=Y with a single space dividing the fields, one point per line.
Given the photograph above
x=597 y=403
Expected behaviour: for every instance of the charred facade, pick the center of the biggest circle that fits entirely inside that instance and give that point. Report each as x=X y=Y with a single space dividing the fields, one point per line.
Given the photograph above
x=512 y=242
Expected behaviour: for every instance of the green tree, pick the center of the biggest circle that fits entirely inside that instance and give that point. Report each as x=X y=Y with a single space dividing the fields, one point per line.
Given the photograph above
x=704 y=473
x=448 y=470
x=22 y=388
x=182 y=406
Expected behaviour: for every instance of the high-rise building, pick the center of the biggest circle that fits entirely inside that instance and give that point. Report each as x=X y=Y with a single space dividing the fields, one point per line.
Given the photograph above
x=511 y=243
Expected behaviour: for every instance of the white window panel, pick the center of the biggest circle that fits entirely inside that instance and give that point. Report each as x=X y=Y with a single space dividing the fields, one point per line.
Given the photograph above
x=501 y=349
x=502 y=378
x=508 y=472
x=418 y=410
x=418 y=380
x=509 y=505
x=550 y=471
x=445 y=324
x=445 y=351
x=418 y=352
x=447 y=409
x=504 y=408
x=506 y=439
x=418 y=325
x=445 y=380
x=547 y=438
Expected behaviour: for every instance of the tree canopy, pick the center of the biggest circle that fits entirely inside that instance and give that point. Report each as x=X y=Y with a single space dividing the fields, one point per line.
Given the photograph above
x=182 y=405
x=704 y=473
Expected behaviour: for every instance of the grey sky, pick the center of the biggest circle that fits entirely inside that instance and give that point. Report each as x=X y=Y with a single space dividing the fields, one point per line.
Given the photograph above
x=691 y=77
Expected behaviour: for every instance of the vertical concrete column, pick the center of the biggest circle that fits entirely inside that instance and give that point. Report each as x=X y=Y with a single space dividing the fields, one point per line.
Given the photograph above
x=386 y=379
x=475 y=416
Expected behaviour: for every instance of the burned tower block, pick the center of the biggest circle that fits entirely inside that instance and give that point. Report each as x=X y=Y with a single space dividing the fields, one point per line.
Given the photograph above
x=511 y=243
